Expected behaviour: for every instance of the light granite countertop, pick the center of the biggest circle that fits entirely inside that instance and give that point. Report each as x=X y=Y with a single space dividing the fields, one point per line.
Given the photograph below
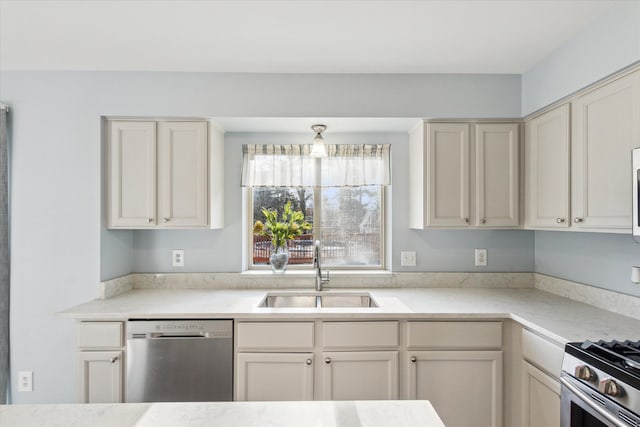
x=401 y=413
x=560 y=319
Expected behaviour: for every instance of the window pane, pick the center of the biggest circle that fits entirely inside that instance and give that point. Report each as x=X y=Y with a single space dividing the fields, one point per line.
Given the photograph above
x=351 y=226
x=301 y=248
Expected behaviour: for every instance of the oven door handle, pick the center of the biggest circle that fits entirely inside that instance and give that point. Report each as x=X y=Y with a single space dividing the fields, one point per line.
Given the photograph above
x=588 y=402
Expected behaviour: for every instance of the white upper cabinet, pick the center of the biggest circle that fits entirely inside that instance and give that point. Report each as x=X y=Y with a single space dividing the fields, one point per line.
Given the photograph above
x=447 y=174
x=158 y=174
x=132 y=174
x=463 y=175
x=182 y=174
x=605 y=127
x=497 y=171
x=547 y=169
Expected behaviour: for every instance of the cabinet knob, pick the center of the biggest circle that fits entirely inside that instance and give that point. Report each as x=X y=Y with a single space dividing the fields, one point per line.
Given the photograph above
x=560 y=220
x=327 y=360
x=166 y=220
x=483 y=221
x=113 y=359
x=309 y=362
x=466 y=220
x=413 y=359
x=149 y=220
x=577 y=220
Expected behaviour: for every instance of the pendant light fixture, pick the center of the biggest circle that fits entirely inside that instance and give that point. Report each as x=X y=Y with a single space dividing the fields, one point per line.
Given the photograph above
x=318 y=149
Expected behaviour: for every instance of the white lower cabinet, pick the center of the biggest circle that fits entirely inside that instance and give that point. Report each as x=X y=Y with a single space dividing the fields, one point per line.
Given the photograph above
x=285 y=361
x=100 y=362
x=360 y=375
x=274 y=376
x=464 y=387
x=100 y=376
x=457 y=366
x=540 y=398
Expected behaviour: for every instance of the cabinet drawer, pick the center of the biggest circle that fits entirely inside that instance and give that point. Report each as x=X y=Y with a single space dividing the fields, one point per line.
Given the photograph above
x=454 y=335
x=542 y=353
x=99 y=335
x=275 y=336
x=360 y=335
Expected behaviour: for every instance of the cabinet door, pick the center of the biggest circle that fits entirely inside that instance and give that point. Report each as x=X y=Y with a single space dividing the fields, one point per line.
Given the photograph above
x=182 y=174
x=605 y=127
x=447 y=160
x=132 y=174
x=497 y=188
x=540 y=398
x=367 y=375
x=547 y=167
x=100 y=376
x=464 y=387
x=274 y=376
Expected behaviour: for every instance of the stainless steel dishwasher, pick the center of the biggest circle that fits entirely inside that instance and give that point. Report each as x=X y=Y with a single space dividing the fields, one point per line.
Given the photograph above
x=179 y=361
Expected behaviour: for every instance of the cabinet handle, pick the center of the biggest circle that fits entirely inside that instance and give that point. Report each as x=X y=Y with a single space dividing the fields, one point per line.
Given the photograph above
x=327 y=360
x=560 y=220
x=308 y=361
x=413 y=359
x=578 y=220
x=466 y=220
x=149 y=220
x=166 y=220
x=483 y=221
x=113 y=359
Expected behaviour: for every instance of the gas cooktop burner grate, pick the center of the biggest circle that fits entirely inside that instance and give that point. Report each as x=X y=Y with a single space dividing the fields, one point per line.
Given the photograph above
x=623 y=354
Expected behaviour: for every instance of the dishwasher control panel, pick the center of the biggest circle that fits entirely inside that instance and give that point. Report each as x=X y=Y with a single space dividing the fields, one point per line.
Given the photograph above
x=179 y=327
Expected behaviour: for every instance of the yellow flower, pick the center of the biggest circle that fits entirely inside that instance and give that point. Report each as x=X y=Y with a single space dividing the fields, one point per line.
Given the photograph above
x=258 y=227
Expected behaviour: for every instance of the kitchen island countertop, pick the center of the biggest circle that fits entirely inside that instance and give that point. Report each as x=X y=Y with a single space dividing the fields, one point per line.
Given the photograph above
x=400 y=413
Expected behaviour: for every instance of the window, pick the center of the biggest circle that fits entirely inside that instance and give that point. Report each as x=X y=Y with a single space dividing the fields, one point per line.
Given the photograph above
x=342 y=196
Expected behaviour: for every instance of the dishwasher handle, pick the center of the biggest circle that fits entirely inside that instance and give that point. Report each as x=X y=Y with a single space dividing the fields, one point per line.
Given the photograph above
x=178 y=335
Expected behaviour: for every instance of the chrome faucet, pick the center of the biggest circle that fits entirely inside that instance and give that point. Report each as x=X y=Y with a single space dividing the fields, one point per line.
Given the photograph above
x=316 y=265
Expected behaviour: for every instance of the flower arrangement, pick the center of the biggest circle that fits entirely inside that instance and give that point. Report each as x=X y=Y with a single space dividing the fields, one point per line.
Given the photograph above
x=280 y=232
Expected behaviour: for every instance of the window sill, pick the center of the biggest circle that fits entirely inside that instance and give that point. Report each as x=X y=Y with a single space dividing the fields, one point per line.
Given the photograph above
x=310 y=273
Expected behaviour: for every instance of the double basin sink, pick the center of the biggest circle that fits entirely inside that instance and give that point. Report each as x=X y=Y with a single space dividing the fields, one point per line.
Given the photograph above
x=317 y=300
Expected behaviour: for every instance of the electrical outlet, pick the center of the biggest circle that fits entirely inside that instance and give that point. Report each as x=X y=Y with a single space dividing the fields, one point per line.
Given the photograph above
x=177 y=258
x=408 y=258
x=25 y=381
x=481 y=257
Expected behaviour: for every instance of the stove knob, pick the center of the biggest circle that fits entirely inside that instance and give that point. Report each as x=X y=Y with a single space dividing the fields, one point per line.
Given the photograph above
x=584 y=373
x=610 y=388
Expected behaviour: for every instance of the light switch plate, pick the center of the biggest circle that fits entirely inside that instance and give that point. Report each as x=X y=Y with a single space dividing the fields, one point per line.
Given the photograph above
x=408 y=258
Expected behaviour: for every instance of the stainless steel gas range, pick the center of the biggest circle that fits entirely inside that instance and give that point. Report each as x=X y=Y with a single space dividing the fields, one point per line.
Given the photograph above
x=601 y=384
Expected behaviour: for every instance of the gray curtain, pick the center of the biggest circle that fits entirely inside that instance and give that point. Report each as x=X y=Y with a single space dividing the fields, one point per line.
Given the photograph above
x=4 y=257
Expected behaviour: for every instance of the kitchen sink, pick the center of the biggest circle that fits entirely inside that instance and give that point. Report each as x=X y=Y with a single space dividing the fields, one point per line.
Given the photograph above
x=317 y=300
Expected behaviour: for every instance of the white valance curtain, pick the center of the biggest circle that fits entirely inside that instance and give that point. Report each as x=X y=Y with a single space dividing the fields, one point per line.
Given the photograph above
x=291 y=166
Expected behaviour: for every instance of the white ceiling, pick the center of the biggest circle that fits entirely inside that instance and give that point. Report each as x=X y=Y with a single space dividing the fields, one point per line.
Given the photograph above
x=291 y=36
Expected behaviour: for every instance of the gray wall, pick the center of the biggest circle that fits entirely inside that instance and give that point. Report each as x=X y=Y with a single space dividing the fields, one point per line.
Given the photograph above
x=439 y=250
x=602 y=260
x=608 y=44
x=57 y=228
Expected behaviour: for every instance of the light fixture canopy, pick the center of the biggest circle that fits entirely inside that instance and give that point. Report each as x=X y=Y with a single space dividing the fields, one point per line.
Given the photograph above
x=318 y=149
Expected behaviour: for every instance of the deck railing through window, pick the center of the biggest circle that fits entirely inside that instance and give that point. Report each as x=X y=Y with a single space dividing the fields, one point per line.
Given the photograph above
x=337 y=249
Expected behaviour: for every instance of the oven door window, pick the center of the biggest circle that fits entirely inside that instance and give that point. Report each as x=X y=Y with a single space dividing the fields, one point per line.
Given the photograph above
x=582 y=418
